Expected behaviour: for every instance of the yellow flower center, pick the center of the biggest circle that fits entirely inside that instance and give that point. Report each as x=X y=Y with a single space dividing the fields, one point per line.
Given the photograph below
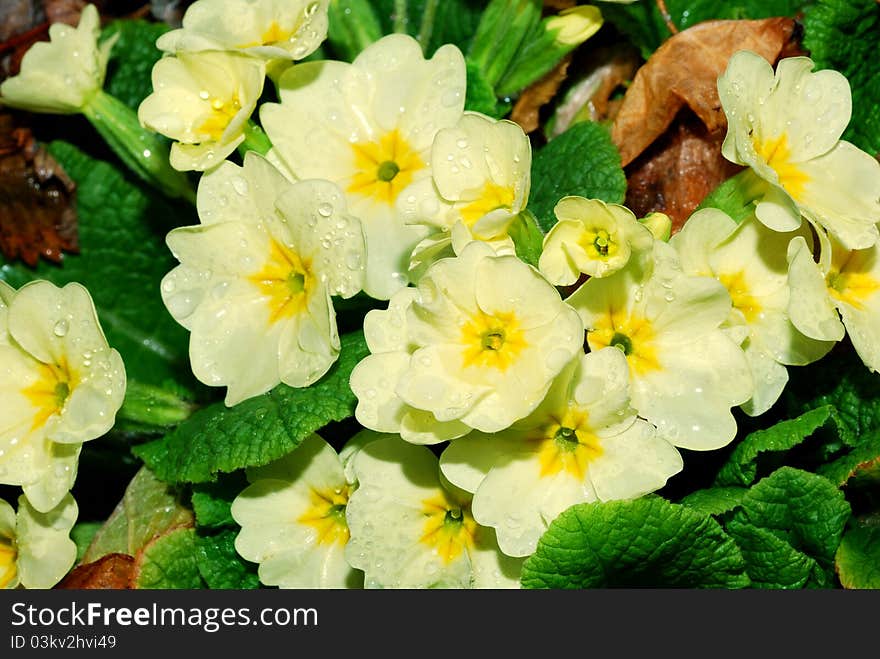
x=492 y=341
x=276 y=33
x=849 y=281
x=598 y=243
x=327 y=515
x=449 y=527
x=741 y=296
x=221 y=113
x=777 y=154
x=8 y=557
x=50 y=391
x=384 y=168
x=286 y=280
x=492 y=197
x=568 y=444
x=631 y=334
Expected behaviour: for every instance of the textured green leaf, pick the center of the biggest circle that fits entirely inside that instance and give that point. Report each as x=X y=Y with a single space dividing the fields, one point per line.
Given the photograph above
x=256 y=431
x=845 y=35
x=842 y=380
x=860 y=464
x=220 y=565
x=715 y=500
x=802 y=510
x=858 y=557
x=149 y=507
x=212 y=502
x=123 y=257
x=645 y=542
x=131 y=59
x=169 y=562
x=741 y=467
x=772 y=562
x=643 y=23
x=581 y=161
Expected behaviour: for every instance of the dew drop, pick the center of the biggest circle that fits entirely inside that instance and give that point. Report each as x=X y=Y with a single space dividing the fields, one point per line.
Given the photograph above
x=325 y=210
x=240 y=185
x=60 y=328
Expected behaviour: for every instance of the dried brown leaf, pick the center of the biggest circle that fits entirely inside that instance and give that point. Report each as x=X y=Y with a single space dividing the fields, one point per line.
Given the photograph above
x=37 y=215
x=527 y=110
x=678 y=170
x=684 y=72
x=110 y=572
x=602 y=72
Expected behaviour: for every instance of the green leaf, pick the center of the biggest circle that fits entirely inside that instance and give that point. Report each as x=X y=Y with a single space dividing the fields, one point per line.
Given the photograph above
x=715 y=500
x=83 y=534
x=130 y=67
x=480 y=97
x=741 y=467
x=643 y=23
x=845 y=35
x=353 y=26
x=860 y=464
x=212 y=502
x=122 y=259
x=528 y=240
x=735 y=196
x=772 y=562
x=221 y=566
x=256 y=431
x=804 y=511
x=169 y=562
x=455 y=21
x=581 y=161
x=645 y=542
x=148 y=508
x=842 y=380
x=858 y=557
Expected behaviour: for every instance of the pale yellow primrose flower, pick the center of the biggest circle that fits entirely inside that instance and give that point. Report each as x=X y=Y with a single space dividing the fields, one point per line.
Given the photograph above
x=787 y=128
x=410 y=529
x=35 y=547
x=61 y=76
x=286 y=29
x=583 y=443
x=591 y=238
x=750 y=261
x=256 y=277
x=60 y=385
x=480 y=178
x=685 y=370
x=845 y=281
x=369 y=127
x=293 y=519
x=476 y=345
x=202 y=101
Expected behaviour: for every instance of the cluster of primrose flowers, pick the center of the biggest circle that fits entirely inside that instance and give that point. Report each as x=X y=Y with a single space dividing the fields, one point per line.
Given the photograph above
x=374 y=179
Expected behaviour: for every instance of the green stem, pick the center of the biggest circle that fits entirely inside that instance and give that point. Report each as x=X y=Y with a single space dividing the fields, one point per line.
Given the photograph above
x=152 y=406
x=426 y=29
x=142 y=151
x=400 y=16
x=255 y=139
